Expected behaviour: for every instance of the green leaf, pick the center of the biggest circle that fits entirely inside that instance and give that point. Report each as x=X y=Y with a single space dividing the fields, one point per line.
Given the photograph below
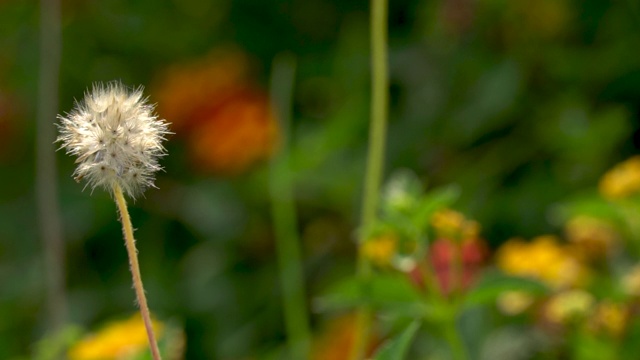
x=433 y=201
x=396 y=349
x=495 y=284
x=388 y=291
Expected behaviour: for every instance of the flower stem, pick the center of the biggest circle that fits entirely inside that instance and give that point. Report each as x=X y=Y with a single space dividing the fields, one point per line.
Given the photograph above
x=284 y=214
x=451 y=333
x=375 y=160
x=46 y=178
x=130 y=243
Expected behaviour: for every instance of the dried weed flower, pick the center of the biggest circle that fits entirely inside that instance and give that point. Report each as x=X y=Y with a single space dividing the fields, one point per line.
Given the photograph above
x=117 y=140
x=116 y=137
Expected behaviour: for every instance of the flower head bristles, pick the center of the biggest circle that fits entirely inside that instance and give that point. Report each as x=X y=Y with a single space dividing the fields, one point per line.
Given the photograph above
x=117 y=140
x=116 y=137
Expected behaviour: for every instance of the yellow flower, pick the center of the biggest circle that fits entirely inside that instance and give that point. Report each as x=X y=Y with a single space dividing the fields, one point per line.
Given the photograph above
x=592 y=237
x=568 y=305
x=544 y=259
x=610 y=318
x=118 y=340
x=631 y=281
x=514 y=302
x=452 y=225
x=381 y=250
x=623 y=180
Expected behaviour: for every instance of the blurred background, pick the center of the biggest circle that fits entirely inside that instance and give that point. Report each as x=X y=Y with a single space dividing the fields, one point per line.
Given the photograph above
x=521 y=103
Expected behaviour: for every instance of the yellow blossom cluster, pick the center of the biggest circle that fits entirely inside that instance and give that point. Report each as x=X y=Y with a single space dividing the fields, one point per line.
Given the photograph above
x=452 y=225
x=631 y=281
x=119 y=340
x=609 y=318
x=593 y=238
x=569 y=305
x=623 y=180
x=544 y=258
x=380 y=250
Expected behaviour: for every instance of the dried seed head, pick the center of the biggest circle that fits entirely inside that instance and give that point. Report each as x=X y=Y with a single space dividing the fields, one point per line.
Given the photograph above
x=116 y=137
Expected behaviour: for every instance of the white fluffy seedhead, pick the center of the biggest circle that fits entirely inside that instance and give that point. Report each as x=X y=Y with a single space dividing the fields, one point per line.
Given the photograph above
x=116 y=137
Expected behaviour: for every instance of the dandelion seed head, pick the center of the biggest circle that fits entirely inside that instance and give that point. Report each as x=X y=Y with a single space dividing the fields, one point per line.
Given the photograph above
x=116 y=138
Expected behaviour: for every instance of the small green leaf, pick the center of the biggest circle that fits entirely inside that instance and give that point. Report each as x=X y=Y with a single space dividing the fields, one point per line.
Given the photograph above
x=391 y=291
x=397 y=348
x=433 y=201
x=495 y=284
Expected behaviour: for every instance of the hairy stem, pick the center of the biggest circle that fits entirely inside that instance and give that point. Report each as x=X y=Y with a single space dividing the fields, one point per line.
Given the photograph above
x=375 y=160
x=130 y=243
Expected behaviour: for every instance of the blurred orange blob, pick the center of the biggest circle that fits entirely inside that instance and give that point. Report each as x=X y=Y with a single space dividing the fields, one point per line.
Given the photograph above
x=337 y=338
x=225 y=118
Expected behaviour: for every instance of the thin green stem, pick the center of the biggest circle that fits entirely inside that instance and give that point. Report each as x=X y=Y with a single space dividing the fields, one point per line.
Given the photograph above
x=130 y=242
x=375 y=160
x=46 y=177
x=284 y=215
x=452 y=335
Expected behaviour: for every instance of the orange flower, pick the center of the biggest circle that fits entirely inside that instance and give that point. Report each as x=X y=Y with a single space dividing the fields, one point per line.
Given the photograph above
x=337 y=339
x=226 y=119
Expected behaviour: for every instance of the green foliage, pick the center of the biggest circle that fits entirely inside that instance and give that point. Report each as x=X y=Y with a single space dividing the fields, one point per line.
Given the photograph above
x=397 y=348
x=492 y=285
x=512 y=110
x=391 y=292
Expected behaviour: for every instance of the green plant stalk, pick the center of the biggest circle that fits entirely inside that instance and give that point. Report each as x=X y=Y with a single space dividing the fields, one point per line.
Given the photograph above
x=284 y=215
x=375 y=161
x=46 y=178
x=130 y=242
x=452 y=336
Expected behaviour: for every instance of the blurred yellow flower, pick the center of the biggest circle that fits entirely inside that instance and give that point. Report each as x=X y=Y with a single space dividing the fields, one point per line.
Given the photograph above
x=610 y=318
x=452 y=225
x=381 y=250
x=631 y=281
x=592 y=237
x=623 y=180
x=568 y=305
x=544 y=258
x=514 y=302
x=118 y=340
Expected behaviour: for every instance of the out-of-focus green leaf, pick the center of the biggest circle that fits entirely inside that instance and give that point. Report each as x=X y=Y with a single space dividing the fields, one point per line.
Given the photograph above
x=52 y=347
x=433 y=201
x=492 y=285
x=382 y=291
x=397 y=348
